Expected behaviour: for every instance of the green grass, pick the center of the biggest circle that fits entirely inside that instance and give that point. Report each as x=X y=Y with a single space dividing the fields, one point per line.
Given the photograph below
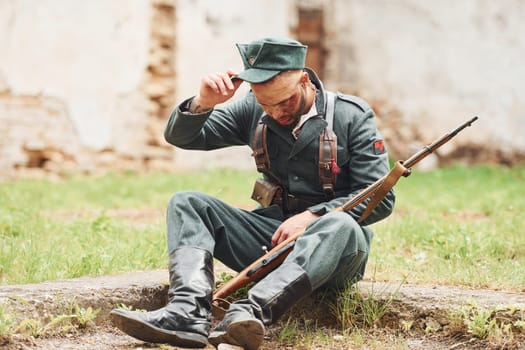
x=63 y=229
x=461 y=226
x=458 y=225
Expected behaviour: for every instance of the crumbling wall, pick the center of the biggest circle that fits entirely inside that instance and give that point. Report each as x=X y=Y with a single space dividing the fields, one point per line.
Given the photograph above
x=430 y=66
x=85 y=86
x=88 y=86
x=158 y=90
x=22 y=145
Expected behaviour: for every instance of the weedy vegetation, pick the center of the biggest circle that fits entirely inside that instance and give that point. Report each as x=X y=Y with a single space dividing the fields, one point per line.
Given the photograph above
x=6 y=321
x=71 y=320
x=500 y=327
x=356 y=309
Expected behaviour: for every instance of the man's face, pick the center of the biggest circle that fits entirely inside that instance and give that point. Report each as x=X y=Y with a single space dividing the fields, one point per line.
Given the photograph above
x=283 y=98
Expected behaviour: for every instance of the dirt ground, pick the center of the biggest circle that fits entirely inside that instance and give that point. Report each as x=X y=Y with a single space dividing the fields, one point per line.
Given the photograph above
x=425 y=307
x=109 y=340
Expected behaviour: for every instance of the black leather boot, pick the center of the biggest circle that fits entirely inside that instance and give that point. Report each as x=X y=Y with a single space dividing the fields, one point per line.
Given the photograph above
x=186 y=320
x=243 y=323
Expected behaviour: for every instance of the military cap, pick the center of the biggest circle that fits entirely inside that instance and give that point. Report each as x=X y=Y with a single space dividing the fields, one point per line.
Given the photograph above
x=263 y=59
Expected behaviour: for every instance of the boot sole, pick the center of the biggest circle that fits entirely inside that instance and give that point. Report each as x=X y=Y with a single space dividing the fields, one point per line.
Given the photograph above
x=248 y=334
x=151 y=334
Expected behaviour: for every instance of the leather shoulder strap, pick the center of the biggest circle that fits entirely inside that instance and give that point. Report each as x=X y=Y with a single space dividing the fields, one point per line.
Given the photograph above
x=328 y=168
x=260 y=151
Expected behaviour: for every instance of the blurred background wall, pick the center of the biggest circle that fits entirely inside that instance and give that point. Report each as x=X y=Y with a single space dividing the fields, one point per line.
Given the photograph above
x=88 y=85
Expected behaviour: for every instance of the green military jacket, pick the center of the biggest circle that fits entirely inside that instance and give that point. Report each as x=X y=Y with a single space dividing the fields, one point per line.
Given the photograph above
x=361 y=155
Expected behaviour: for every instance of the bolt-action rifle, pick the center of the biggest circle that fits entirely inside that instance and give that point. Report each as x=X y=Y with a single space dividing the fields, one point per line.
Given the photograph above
x=376 y=191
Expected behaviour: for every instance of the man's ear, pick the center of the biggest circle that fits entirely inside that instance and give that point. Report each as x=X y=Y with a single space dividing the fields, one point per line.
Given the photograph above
x=304 y=77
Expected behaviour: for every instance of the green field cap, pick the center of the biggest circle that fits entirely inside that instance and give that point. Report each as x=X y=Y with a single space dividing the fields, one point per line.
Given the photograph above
x=265 y=58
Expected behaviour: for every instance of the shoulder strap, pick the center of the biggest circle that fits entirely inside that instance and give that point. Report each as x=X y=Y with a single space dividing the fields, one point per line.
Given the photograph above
x=260 y=151
x=330 y=107
x=328 y=168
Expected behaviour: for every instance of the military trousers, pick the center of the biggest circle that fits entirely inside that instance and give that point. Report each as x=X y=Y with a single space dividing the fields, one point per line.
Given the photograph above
x=333 y=249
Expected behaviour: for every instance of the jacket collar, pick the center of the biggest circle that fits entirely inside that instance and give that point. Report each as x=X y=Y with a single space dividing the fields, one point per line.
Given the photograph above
x=320 y=98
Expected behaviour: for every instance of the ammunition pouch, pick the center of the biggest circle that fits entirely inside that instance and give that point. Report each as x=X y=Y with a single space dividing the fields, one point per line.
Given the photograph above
x=267 y=193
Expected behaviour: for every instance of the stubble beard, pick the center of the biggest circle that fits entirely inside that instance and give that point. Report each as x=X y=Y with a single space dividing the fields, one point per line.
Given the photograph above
x=297 y=115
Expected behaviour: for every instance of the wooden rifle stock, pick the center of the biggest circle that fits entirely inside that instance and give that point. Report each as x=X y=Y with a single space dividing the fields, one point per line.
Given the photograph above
x=272 y=259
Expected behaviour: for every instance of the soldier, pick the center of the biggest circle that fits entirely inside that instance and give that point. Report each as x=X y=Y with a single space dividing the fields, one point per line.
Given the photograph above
x=316 y=150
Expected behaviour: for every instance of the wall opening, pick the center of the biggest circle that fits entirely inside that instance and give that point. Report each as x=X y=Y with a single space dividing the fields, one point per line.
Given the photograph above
x=310 y=31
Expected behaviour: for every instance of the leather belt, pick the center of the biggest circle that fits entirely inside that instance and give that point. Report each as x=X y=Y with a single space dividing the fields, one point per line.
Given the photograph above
x=292 y=204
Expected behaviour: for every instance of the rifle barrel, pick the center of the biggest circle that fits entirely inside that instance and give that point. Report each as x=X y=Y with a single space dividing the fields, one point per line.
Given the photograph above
x=426 y=150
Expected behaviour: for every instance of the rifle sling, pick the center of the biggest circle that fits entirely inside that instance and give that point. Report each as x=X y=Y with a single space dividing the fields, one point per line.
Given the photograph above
x=390 y=180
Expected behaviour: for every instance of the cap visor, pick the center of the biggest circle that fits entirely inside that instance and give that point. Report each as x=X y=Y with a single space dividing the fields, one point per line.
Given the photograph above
x=255 y=75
